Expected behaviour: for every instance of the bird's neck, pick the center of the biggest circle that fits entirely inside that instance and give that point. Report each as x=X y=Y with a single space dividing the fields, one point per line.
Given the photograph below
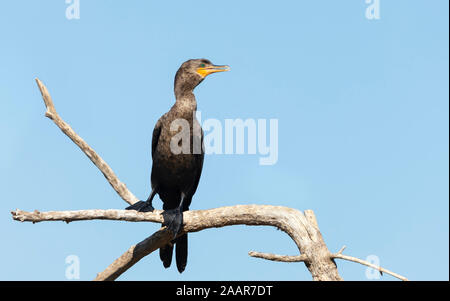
x=185 y=102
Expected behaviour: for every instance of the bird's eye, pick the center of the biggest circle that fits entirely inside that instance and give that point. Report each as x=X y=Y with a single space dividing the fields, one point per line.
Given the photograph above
x=202 y=65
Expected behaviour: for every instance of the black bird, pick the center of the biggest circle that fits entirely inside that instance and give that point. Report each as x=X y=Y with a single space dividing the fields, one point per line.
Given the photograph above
x=175 y=175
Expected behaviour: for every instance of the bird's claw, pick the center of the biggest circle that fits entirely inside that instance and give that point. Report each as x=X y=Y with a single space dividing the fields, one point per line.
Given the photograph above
x=141 y=206
x=173 y=220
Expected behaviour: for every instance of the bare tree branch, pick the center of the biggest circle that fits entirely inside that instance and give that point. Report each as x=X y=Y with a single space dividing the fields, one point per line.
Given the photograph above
x=293 y=222
x=281 y=258
x=135 y=253
x=82 y=215
x=51 y=113
x=194 y=221
x=363 y=262
x=339 y=255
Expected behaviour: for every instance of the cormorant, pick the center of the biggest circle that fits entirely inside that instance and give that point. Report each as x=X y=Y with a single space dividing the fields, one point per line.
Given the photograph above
x=174 y=176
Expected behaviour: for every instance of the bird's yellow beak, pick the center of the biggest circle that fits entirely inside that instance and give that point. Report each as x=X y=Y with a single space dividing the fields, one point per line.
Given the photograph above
x=205 y=71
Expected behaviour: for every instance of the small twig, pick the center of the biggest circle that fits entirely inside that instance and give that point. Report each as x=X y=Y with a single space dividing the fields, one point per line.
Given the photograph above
x=363 y=262
x=341 y=250
x=280 y=258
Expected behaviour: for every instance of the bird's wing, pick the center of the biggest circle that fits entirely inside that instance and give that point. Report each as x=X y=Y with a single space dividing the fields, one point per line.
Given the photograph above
x=199 y=158
x=156 y=134
x=199 y=173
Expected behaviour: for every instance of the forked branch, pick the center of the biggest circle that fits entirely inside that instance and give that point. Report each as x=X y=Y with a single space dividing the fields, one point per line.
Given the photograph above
x=306 y=236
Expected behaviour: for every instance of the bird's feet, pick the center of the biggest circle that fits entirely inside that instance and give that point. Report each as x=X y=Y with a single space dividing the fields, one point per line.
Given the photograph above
x=173 y=220
x=141 y=206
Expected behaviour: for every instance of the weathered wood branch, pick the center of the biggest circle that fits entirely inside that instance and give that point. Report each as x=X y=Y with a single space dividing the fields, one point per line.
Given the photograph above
x=302 y=227
x=275 y=257
x=339 y=255
x=109 y=174
x=363 y=262
x=83 y=215
x=306 y=236
x=135 y=253
x=276 y=216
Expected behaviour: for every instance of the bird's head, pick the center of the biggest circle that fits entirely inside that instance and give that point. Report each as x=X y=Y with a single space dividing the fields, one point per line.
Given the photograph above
x=193 y=72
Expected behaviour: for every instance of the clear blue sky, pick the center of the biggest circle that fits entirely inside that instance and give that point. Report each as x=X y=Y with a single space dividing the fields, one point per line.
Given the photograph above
x=363 y=130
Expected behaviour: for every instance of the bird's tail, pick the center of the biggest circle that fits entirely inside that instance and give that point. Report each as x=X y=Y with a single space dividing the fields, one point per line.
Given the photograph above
x=181 y=253
x=165 y=253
